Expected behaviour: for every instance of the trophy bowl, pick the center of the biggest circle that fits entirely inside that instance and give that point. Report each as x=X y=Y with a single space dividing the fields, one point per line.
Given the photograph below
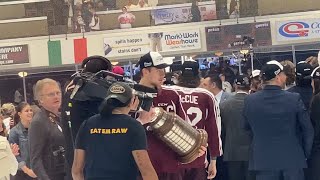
x=178 y=134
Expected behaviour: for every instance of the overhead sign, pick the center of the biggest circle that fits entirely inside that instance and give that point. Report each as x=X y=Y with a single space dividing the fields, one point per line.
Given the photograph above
x=238 y=36
x=139 y=44
x=298 y=30
x=18 y=54
x=183 y=14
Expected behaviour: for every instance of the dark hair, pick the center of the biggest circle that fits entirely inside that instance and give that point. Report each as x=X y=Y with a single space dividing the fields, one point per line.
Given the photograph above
x=189 y=80
x=316 y=86
x=111 y=104
x=19 y=108
x=147 y=68
x=95 y=64
x=203 y=73
x=256 y=83
x=243 y=88
x=194 y=3
x=168 y=78
x=214 y=78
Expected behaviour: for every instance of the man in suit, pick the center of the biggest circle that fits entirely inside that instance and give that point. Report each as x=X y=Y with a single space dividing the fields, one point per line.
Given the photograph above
x=273 y=115
x=213 y=83
x=303 y=82
x=237 y=140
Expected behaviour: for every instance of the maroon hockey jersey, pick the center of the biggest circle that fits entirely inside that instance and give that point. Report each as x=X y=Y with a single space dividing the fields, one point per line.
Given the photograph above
x=164 y=159
x=202 y=112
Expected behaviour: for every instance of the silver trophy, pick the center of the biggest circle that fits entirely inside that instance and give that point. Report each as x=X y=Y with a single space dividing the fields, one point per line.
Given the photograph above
x=178 y=134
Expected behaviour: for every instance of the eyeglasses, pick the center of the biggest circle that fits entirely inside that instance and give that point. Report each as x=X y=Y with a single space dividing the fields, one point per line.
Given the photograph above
x=52 y=94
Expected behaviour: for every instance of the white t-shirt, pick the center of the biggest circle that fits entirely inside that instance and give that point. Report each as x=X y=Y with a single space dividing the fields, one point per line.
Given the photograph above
x=9 y=163
x=6 y=123
x=125 y=20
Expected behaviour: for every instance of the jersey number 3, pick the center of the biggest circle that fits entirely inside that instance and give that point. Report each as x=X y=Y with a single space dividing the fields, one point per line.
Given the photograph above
x=197 y=112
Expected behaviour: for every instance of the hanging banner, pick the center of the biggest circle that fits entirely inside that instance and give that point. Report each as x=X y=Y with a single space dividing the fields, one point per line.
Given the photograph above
x=18 y=54
x=238 y=36
x=183 y=14
x=298 y=30
x=139 y=44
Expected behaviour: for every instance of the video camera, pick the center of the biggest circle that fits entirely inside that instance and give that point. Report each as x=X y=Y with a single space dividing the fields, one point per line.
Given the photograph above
x=93 y=86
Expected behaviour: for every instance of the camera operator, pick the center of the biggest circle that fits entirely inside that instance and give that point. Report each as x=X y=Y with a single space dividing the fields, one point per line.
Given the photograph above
x=111 y=145
x=46 y=140
x=75 y=112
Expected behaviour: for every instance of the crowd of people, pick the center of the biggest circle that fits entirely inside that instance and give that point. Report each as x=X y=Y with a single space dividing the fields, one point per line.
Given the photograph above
x=263 y=125
x=84 y=18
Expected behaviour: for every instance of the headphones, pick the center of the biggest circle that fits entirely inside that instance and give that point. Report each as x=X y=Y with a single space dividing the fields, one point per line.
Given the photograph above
x=99 y=58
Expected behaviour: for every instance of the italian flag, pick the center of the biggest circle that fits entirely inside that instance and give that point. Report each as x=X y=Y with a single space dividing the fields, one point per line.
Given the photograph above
x=67 y=51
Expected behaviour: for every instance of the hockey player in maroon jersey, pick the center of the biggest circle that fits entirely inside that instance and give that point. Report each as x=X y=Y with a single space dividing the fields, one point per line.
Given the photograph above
x=164 y=160
x=202 y=112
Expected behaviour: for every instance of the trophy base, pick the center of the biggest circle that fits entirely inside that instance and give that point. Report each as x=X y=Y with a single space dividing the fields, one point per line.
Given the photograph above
x=194 y=154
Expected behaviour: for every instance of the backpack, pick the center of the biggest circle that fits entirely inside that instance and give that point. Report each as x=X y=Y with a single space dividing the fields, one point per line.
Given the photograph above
x=9 y=163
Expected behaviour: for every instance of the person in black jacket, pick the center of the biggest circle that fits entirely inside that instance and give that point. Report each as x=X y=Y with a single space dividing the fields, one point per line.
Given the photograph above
x=272 y=116
x=75 y=112
x=46 y=140
x=195 y=12
x=303 y=83
x=112 y=145
x=314 y=162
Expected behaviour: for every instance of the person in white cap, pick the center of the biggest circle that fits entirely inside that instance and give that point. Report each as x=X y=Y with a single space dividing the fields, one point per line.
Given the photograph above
x=272 y=115
x=255 y=81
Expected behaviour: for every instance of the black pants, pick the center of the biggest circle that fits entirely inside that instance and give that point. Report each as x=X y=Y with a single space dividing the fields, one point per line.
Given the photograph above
x=22 y=176
x=238 y=170
x=222 y=171
x=293 y=174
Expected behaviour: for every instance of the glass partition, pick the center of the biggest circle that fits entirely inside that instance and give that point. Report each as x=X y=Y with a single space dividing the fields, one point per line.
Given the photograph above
x=81 y=16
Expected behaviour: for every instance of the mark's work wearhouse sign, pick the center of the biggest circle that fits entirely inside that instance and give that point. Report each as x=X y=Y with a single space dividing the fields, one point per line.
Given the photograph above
x=18 y=54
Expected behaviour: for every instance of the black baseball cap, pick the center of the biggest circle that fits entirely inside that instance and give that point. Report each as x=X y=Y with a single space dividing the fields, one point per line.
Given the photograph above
x=119 y=91
x=190 y=66
x=271 y=70
x=242 y=80
x=304 y=70
x=152 y=59
x=316 y=73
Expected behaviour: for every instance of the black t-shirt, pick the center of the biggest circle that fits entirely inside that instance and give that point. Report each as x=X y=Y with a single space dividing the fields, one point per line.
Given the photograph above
x=108 y=144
